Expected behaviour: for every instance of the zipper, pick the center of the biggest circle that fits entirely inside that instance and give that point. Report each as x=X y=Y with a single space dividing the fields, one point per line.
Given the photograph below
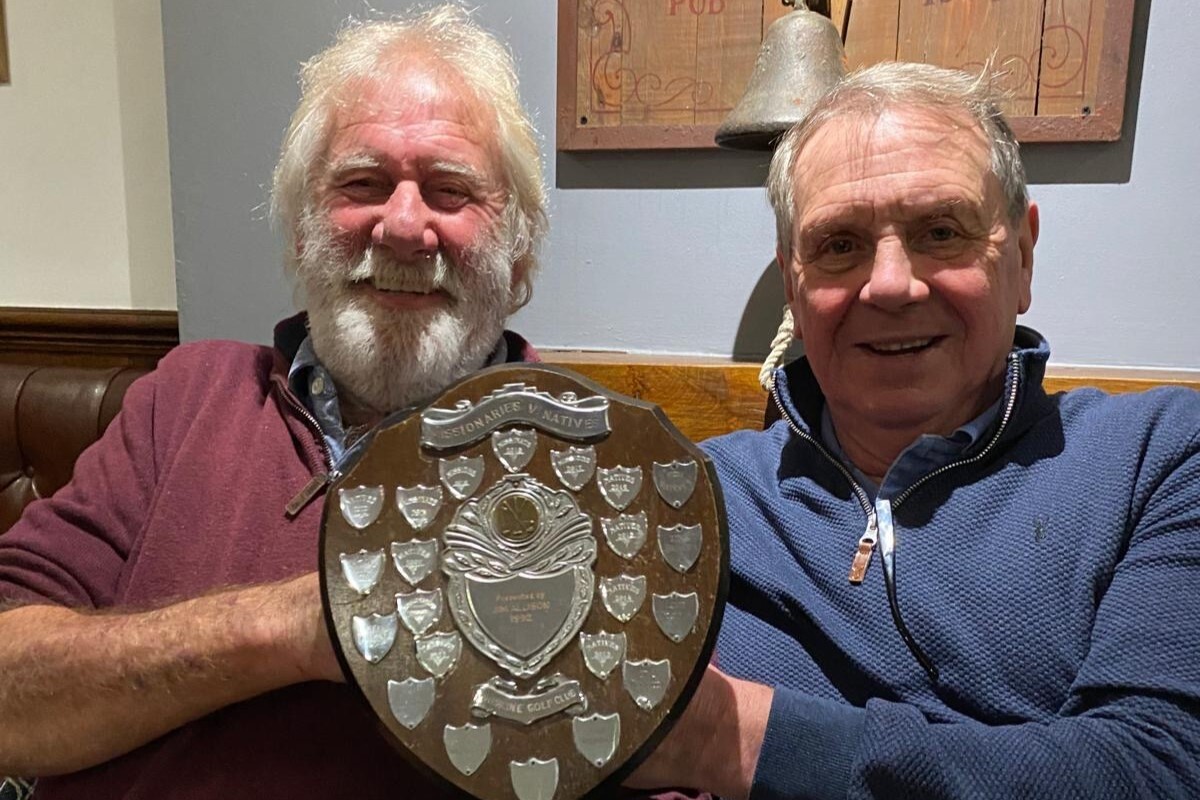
x=880 y=527
x=866 y=542
x=317 y=483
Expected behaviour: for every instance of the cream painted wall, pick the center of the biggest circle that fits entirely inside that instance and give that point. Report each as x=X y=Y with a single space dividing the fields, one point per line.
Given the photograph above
x=85 y=204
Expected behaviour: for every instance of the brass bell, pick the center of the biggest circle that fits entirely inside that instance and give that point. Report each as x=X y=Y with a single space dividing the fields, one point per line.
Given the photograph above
x=801 y=58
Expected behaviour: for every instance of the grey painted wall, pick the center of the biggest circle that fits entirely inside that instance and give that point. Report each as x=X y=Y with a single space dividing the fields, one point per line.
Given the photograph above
x=671 y=253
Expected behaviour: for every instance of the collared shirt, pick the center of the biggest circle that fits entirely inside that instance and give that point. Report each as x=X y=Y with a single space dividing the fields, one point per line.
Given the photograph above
x=927 y=453
x=314 y=387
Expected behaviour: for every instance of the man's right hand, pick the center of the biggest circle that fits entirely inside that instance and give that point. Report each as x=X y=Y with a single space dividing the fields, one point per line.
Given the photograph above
x=77 y=689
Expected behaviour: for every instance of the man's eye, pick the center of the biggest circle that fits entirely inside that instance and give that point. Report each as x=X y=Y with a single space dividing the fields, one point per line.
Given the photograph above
x=942 y=233
x=839 y=246
x=452 y=196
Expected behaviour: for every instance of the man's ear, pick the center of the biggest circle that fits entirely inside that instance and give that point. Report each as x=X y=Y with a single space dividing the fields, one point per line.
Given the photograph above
x=789 y=290
x=1027 y=236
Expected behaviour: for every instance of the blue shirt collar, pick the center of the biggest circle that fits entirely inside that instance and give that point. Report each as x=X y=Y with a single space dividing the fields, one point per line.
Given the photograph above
x=928 y=453
x=312 y=384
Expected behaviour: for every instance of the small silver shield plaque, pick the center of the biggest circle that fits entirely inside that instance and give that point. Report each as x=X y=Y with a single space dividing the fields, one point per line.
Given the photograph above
x=574 y=466
x=675 y=481
x=596 y=737
x=623 y=595
x=468 y=746
x=626 y=534
x=374 y=635
x=420 y=610
x=415 y=559
x=410 y=700
x=362 y=569
x=602 y=652
x=675 y=614
x=680 y=545
x=646 y=681
x=438 y=652
x=514 y=447
x=619 y=485
x=419 y=505
x=461 y=476
x=534 y=779
x=361 y=506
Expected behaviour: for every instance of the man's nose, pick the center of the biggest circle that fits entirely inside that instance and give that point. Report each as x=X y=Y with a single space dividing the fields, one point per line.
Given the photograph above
x=893 y=282
x=405 y=225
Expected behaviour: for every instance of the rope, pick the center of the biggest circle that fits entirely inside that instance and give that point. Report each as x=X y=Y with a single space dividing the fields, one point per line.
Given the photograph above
x=779 y=345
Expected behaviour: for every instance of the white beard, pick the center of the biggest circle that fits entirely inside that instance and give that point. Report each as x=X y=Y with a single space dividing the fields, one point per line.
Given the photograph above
x=387 y=359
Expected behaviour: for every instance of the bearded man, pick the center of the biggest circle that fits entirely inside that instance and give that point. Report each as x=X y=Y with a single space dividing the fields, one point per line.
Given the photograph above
x=410 y=193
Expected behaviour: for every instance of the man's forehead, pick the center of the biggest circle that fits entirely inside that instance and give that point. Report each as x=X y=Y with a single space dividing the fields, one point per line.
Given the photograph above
x=851 y=139
x=921 y=145
x=412 y=88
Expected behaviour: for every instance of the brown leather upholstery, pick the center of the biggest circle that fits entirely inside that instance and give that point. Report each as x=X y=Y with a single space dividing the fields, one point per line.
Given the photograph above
x=48 y=416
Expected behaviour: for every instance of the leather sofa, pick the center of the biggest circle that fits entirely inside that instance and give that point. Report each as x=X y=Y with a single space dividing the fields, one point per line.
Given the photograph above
x=48 y=416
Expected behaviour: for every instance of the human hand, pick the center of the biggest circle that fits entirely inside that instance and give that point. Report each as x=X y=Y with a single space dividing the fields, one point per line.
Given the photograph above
x=715 y=744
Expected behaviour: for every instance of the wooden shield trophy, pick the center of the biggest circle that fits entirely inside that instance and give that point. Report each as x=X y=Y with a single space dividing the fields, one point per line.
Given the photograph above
x=525 y=581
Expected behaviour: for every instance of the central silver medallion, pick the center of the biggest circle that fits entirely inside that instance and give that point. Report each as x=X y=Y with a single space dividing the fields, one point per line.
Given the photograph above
x=519 y=566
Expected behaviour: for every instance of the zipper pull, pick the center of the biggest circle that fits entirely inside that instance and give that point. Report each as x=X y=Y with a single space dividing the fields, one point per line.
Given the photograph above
x=303 y=497
x=862 y=558
x=887 y=532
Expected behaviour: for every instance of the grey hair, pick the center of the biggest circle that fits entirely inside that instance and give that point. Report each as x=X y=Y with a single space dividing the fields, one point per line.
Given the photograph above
x=896 y=84
x=362 y=50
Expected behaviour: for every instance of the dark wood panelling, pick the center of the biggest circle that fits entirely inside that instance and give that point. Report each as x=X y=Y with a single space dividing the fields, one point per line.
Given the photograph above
x=76 y=337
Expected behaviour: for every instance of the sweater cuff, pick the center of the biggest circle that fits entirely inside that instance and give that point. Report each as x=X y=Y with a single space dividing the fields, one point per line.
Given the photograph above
x=808 y=749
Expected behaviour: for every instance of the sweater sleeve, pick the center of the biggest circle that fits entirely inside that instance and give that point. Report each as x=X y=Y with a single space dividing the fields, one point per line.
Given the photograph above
x=1130 y=726
x=71 y=548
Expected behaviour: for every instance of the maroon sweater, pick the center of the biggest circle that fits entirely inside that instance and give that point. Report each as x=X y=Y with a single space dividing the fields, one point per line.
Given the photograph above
x=185 y=493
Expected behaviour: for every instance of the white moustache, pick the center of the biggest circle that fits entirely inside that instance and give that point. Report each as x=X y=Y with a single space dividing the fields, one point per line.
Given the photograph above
x=421 y=276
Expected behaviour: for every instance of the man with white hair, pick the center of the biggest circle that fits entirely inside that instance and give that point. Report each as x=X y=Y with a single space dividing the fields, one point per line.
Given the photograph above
x=1032 y=627
x=165 y=636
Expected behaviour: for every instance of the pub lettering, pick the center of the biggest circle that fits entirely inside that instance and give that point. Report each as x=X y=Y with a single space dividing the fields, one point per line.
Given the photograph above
x=696 y=7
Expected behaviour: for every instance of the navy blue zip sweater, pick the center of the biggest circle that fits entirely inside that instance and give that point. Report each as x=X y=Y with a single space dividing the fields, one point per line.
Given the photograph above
x=1053 y=582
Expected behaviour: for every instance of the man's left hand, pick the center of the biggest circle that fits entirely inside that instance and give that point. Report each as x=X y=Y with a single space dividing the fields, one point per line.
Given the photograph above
x=714 y=746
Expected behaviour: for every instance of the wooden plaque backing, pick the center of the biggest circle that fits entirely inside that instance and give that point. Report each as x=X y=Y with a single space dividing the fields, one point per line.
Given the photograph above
x=663 y=73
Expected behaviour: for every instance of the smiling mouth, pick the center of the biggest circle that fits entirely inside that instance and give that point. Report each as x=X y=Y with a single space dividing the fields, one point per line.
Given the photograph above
x=901 y=348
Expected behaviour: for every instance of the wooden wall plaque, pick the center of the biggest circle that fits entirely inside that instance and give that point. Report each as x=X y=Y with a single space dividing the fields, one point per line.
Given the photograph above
x=4 y=77
x=648 y=74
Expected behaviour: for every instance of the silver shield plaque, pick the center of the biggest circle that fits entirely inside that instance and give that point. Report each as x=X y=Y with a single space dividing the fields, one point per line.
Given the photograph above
x=419 y=504
x=680 y=545
x=415 y=559
x=410 y=700
x=514 y=447
x=438 y=653
x=675 y=481
x=602 y=652
x=574 y=466
x=361 y=506
x=534 y=779
x=619 y=485
x=519 y=564
x=623 y=595
x=596 y=737
x=467 y=746
x=374 y=635
x=362 y=569
x=461 y=476
x=646 y=681
x=550 y=619
x=420 y=610
x=625 y=534
x=675 y=614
